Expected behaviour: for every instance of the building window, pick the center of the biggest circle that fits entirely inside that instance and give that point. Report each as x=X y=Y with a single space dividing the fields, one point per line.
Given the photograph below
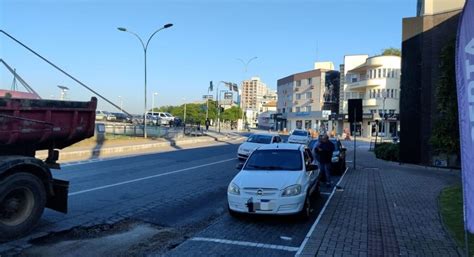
x=308 y=109
x=391 y=93
x=380 y=73
x=310 y=80
x=298 y=83
x=283 y=110
x=309 y=95
x=298 y=109
x=378 y=93
x=384 y=73
x=290 y=110
x=307 y=124
x=393 y=73
x=391 y=112
x=353 y=79
x=298 y=96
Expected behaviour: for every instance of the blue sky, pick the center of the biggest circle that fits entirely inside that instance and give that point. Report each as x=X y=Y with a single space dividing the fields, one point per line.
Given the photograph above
x=287 y=36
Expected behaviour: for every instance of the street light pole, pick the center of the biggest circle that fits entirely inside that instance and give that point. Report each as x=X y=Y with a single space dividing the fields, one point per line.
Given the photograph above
x=246 y=64
x=153 y=103
x=145 y=47
x=383 y=119
x=184 y=115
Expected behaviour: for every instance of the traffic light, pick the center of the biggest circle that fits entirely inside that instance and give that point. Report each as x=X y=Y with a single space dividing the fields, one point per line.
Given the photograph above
x=211 y=86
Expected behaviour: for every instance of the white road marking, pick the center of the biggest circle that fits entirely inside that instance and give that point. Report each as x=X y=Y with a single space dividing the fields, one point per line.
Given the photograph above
x=245 y=243
x=308 y=235
x=148 y=177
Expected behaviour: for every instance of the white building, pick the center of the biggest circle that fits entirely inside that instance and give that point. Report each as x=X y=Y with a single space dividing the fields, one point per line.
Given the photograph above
x=375 y=80
x=255 y=94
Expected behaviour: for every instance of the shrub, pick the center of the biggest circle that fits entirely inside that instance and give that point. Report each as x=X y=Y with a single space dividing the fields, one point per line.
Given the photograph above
x=387 y=151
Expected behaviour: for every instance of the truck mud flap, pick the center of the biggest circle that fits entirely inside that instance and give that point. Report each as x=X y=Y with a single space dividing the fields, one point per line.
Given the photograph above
x=58 y=201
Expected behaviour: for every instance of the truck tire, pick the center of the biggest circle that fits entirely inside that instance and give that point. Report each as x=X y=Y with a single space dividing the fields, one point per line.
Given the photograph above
x=22 y=201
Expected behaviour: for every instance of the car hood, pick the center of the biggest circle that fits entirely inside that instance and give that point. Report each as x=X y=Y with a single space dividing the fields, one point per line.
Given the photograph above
x=267 y=179
x=249 y=146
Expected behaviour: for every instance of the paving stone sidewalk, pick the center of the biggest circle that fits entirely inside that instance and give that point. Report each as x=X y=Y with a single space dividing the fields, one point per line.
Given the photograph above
x=386 y=209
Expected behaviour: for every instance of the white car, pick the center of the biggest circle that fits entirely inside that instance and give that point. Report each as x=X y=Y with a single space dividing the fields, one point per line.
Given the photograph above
x=255 y=141
x=276 y=179
x=299 y=136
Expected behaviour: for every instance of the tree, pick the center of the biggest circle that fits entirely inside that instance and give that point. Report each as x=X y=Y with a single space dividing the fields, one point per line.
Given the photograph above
x=445 y=136
x=391 y=51
x=232 y=114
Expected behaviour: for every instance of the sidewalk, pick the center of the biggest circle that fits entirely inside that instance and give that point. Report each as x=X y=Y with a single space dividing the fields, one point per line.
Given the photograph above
x=385 y=210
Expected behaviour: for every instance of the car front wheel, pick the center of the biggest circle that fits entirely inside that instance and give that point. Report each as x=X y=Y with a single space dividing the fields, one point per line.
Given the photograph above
x=307 y=209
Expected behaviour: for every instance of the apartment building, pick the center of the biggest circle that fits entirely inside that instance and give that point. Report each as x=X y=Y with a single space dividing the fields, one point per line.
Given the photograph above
x=375 y=80
x=254 y=95
x=304 y=97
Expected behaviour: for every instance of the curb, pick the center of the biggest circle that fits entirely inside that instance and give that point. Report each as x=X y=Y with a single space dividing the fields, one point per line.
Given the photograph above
x=95 y=151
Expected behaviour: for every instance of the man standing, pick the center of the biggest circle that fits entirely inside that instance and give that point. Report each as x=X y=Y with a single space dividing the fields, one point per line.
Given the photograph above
x=208 y=122
x=325 y=149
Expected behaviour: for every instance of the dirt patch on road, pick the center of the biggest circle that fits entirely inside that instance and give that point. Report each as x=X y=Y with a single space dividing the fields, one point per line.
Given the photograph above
x=126 y=238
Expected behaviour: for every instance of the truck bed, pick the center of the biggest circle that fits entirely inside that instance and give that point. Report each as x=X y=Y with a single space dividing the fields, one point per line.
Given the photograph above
x=28 y=125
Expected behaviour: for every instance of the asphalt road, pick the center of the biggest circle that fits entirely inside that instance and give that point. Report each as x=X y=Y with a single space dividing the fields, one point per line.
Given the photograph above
x=182 y=190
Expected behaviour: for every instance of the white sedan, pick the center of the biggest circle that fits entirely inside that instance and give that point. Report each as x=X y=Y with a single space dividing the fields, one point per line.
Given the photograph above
x=276 y=179
x=299 y=136
x=255 y=141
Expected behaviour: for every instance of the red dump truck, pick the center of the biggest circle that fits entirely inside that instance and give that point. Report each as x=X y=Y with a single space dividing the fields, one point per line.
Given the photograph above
x=26 y=183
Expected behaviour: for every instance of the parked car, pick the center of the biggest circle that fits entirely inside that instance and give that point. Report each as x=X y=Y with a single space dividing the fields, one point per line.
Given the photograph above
x=253 y=142
x=276 y=179
x=109 y=116
x=166 y=118
x=299 y=136
x=338 y=156
x=122 y=117
x=100 y=115
x=137 y=119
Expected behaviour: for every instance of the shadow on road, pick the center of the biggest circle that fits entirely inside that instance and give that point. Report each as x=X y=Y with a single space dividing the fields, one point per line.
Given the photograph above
x=95 y=151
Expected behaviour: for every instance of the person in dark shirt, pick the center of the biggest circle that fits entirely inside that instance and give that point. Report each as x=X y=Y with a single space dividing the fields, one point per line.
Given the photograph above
x=324 y=149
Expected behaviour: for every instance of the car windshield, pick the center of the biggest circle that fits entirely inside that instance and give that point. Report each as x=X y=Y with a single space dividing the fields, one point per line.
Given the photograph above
x=274 y=160
x=260 y=139
x=300 y=133
x=168 y=115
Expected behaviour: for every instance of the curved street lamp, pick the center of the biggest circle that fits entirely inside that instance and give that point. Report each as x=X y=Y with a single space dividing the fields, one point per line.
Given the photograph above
x=145 y=47
x=246 y=64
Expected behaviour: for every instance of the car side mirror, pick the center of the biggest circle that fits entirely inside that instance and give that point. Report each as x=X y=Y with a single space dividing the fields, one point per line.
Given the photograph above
x=239 y=166
x=311 y=167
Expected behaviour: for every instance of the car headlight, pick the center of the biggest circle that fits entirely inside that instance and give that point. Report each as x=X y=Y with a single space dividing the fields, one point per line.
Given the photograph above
x=292 y=190
x=233 y=189
x=335 y=159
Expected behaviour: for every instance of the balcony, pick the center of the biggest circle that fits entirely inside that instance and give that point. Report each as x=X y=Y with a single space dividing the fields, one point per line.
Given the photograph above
x=367 y=83
x=369 y=102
